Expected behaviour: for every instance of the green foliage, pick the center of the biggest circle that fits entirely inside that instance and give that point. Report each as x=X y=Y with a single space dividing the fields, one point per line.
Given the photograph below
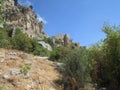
x=112 y=57
x=106 y=60
x=1 y=2
x=21 y=41
x=57 y=41
x=34 y=45
x=25 y=68
x=1 y=20
x=48 y=40
x=96 y=56
x=56 y=54
x=76 y=67
x=4 y=40
x=1 y=88
x=8 y=29
x=40 y=51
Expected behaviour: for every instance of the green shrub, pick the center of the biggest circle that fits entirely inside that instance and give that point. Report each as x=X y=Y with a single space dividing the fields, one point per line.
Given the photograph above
x=40 y=51
x=4 y=40
x=49 y=41
x=56 y=54
x=57 y=41
x=25 y=68
x=21 y=41
x=76 y=68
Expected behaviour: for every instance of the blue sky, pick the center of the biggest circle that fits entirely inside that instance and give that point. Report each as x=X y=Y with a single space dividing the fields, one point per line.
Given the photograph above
x=81 y=19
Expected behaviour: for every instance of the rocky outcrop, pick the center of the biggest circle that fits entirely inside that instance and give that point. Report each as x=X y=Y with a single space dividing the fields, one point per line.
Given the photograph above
x=61 y=39
x=66 y=40
x=24 y=18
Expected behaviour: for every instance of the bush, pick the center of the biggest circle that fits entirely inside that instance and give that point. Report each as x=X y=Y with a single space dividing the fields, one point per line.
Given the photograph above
x=59 y=53
x=21 y=41
x=4 y=40
x=49 y=41
x=40 y=51
x=76 y=69
x=55 y=54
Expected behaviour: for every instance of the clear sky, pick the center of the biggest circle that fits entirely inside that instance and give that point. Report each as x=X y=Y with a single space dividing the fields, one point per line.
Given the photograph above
x=81 y=19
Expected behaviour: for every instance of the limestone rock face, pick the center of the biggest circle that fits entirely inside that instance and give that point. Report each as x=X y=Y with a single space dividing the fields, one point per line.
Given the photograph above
x=22 y=17
x=63 y=39
x=66 y=40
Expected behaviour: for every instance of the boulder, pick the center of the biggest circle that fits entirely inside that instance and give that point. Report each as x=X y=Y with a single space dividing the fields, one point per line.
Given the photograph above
x=60 y=65
x=45 y=45
x=5 y=76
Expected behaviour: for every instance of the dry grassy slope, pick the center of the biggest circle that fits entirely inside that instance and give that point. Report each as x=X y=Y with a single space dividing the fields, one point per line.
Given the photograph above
x=42 y=72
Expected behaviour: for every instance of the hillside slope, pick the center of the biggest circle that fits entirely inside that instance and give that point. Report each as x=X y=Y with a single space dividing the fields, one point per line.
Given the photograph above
x=41 y=76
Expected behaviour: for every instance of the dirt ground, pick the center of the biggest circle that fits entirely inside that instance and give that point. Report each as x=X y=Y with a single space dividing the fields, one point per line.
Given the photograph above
x=41 y=76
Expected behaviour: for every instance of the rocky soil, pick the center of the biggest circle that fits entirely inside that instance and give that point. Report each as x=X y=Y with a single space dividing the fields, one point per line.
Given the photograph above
x=41 y=76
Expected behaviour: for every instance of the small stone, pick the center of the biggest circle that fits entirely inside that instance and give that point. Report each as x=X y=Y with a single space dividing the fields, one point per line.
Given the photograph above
x=15 y=71
x=26 y=76
x=60 y=65
x=12 y=53
x=12 y=58
x=5 y=76
x=2 y=60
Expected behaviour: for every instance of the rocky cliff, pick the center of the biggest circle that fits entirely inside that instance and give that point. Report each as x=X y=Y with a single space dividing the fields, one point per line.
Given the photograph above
x=24 y=18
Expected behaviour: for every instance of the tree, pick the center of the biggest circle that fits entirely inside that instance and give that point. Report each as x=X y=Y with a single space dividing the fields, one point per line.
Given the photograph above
x=106 y=70
x=112 y=56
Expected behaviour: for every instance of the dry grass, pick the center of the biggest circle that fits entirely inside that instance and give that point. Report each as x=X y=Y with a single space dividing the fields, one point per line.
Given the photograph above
x=42 y=72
